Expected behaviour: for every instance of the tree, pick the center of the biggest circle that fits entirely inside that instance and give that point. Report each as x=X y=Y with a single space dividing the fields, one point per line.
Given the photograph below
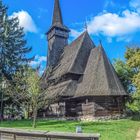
x=18 y=90
x=34 y=93
x=13 y=47
x=133 y=61
x=27 y=91
x=125 y=74
x=129 y=73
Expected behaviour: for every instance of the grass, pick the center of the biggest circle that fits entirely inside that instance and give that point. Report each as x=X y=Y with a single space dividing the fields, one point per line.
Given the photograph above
x=110 y=130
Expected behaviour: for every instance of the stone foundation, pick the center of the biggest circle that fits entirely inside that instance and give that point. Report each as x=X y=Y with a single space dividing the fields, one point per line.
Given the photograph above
x=90 y=118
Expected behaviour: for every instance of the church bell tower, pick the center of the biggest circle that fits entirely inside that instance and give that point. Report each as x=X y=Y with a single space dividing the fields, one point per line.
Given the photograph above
x=57 y=36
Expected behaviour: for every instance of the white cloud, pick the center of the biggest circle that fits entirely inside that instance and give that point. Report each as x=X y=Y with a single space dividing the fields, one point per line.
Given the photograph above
x=111 y=24
x=25 y=21
x=114 y=25
x=135 y=4
x=38 y=60
x=120 y=26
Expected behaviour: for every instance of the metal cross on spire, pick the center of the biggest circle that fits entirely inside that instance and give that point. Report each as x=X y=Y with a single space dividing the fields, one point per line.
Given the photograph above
x=86 y=26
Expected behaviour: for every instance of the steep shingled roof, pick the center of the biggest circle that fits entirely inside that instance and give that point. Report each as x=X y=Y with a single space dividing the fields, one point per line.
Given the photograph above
x=100 y=77
x=57 y=21
x=57 y=15
x=75 y=57
x=63 y=89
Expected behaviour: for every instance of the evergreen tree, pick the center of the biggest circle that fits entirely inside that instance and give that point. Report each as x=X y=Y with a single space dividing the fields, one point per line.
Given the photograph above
x=13 y=49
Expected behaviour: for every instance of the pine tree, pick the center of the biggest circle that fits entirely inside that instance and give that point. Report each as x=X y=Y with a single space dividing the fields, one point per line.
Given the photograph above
x=2 y=57
x=13 y=49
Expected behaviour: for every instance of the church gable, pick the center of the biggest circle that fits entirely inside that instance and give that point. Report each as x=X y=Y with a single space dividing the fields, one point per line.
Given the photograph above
x=75 y=57
x=99 y=78
x=79 y=62
x=115 y=85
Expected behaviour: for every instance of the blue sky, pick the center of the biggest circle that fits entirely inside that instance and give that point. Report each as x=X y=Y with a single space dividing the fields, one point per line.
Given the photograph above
x=116 y=23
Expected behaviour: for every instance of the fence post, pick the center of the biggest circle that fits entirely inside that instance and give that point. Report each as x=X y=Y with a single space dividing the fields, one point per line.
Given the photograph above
x=0 y=136
x=14 y=136
x=47 y=138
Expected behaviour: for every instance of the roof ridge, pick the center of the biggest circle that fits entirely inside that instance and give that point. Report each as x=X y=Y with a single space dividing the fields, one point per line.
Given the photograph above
x=89 y=37
x=76 y=39
x=96 y=68
x=101 y=50
x=82 y=36
x=111 y=68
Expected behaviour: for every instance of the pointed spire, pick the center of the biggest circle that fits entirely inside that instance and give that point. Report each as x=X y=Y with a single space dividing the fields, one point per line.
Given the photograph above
x=57 y=15
x=86 y=25
x=100 y=46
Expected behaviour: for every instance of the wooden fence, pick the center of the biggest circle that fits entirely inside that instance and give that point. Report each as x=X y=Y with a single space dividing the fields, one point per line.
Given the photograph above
x=14 y=134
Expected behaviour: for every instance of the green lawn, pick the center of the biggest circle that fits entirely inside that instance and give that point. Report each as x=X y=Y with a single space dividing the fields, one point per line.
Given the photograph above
x=109 y=130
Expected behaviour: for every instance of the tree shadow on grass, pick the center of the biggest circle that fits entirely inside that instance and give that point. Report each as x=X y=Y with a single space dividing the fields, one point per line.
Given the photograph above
x=12 y=124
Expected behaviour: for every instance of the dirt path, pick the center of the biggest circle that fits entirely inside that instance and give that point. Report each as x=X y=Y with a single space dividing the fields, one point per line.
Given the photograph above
x=138 y=135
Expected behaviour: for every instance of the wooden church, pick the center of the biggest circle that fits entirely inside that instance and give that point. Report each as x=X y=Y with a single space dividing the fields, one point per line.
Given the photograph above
x=79 y=81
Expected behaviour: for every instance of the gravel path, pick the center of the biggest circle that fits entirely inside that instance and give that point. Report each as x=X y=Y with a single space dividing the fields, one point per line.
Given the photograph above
x=138 y=135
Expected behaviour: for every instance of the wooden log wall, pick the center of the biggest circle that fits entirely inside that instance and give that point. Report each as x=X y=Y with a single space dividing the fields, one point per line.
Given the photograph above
x=95 y=107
